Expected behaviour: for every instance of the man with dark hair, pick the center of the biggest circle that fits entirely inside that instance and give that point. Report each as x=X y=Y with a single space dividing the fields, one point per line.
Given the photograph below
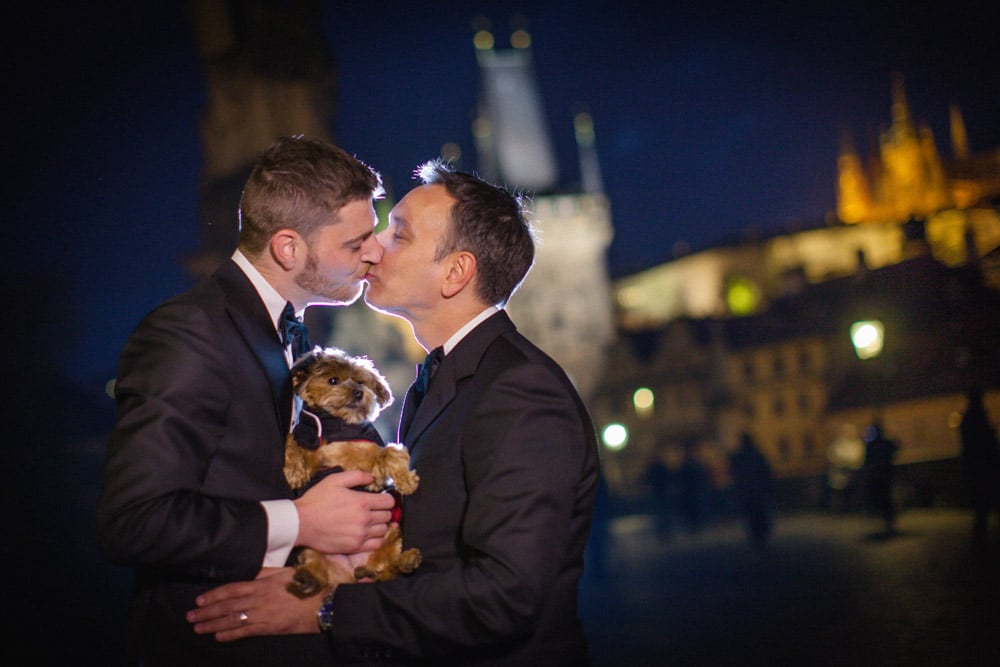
x=193 y=493
x=505 y=450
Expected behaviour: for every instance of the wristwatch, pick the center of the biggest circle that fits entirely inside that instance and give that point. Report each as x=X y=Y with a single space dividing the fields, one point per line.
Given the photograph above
x=325 y=614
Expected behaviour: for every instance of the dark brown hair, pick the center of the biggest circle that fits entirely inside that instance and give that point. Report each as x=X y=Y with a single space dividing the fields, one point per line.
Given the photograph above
x=301 y=184
x=489 y=222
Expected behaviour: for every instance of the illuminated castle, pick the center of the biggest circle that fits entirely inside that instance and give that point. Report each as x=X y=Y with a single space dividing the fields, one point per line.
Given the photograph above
x=904 y=201
x=908 y=177
x=754 y=337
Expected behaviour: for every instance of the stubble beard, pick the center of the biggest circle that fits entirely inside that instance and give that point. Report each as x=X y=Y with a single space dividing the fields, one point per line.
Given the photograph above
x=335 y=294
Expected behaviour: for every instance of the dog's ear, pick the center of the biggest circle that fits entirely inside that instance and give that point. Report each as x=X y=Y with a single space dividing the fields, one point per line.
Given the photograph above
x=373 y=379
x=303 y=366
x=382 y=391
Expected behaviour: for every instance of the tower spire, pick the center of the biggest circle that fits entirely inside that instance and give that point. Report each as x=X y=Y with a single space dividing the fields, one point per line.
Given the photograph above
x=510 y=129
x=959 y=139
x=591 y=181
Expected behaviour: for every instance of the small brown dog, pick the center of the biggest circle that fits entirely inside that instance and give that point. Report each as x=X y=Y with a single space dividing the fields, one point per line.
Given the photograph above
x=341 y=395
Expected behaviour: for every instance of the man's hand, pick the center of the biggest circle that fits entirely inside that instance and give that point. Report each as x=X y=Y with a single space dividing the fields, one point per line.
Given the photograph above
x=260 y=607
x=335 y=519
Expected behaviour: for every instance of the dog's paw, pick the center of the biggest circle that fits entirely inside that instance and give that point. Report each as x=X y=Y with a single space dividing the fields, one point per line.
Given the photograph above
x=407 y=482
x=382 y=569
x=409 y=561
x=304 y=584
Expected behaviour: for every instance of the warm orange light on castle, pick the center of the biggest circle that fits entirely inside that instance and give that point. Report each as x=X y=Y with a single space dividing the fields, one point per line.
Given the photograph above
x=908 y=177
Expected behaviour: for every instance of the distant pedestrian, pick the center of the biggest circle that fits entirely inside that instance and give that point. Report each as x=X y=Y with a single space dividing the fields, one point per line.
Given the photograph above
x=754 y=487
x=880 y=455
x=981 y=464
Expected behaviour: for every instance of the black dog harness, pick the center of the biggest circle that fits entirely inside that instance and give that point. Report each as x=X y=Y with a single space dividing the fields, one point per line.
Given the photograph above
x=317 y=426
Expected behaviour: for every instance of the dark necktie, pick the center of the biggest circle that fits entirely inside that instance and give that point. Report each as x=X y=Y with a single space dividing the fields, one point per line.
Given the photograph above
x=293 y=332
x=425 y=372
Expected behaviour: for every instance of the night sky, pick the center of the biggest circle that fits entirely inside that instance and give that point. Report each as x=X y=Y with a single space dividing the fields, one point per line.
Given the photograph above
x=710 y=121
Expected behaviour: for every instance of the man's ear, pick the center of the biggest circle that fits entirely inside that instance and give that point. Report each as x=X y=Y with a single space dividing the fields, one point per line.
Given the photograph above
x=287 y=247
x=461 y=270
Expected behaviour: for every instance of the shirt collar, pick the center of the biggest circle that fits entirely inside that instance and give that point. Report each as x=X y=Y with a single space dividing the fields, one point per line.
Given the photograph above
x=457 y=337
x=274 y=302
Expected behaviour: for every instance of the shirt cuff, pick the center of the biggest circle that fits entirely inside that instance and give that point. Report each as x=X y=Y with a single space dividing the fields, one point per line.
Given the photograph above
x=282 y=529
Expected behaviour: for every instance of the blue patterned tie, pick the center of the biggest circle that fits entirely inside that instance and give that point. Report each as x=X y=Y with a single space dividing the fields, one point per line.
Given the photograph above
x=293 y=332
x=426 y=371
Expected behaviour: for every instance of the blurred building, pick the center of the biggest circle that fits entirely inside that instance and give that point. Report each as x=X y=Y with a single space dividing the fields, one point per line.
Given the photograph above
x=756 y=336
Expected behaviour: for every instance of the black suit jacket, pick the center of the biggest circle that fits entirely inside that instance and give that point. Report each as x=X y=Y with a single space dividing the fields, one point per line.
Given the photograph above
x=508 y=465
x=204 y=402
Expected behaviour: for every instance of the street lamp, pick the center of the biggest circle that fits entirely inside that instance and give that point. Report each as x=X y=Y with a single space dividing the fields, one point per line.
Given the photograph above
x=867 y=337
x=615 y=436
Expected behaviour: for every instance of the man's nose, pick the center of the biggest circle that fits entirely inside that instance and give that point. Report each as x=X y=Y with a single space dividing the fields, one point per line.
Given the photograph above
x=372 y=249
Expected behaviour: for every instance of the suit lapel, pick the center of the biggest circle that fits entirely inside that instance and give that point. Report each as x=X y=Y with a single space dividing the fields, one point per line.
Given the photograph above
x=458 y=364
x=251 y=319
x=406 y=414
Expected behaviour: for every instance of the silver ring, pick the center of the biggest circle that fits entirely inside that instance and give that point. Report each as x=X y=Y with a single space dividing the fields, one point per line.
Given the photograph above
x=244 y=619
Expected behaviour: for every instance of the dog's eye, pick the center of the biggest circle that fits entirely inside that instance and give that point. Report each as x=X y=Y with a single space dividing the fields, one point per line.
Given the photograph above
x=334 y=380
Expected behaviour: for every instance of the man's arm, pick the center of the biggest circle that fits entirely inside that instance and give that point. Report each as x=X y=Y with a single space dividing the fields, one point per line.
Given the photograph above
x=269 y=608
x=172 y=394
x=163 y=502
x=519 y=516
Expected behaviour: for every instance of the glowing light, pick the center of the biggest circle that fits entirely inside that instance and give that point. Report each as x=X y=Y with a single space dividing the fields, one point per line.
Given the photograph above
x=520 y=39
x=643 y=400
x=583 y=125
x=483 y=40
x=481 y=127
x=615 y=436
x=867 y=337
x=742 y=295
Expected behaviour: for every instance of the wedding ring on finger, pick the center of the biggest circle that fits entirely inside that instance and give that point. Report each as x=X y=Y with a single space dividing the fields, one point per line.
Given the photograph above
x=244 y=619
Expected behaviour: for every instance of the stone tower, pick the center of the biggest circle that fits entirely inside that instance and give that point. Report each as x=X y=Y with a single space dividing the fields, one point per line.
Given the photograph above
x=564 y=305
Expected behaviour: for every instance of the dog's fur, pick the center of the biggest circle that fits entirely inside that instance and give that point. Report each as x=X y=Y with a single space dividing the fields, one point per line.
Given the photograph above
x=350 y=388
